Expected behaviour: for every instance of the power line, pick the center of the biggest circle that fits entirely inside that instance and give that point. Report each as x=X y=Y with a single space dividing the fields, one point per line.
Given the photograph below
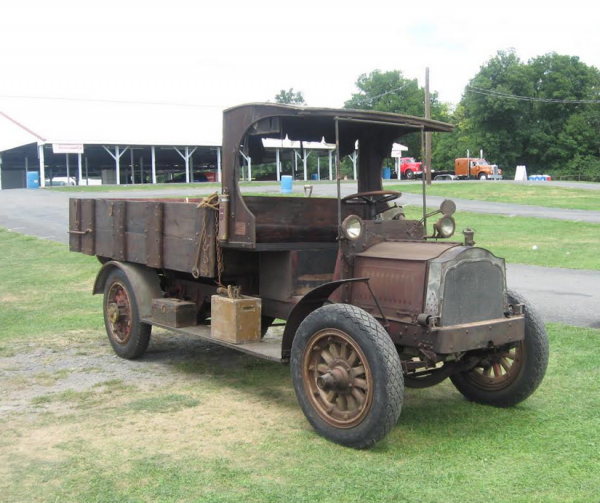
x=490 y=92
x=160 y=103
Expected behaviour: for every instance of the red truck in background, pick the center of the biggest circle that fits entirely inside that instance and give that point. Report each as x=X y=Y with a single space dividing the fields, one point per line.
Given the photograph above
x=409 y=167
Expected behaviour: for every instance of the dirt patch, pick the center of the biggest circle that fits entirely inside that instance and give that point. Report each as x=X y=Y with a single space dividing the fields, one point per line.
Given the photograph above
x=183 y=397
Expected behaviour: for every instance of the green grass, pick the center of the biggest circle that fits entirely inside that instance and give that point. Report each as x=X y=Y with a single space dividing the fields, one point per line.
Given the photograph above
x=559 y=243
x=220 y=426
x=536 y=194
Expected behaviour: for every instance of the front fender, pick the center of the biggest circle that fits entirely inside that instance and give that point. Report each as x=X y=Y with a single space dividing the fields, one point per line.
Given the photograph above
x=310 y=302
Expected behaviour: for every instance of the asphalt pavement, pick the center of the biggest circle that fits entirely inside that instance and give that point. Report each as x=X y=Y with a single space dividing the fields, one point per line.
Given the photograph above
x=560 y=295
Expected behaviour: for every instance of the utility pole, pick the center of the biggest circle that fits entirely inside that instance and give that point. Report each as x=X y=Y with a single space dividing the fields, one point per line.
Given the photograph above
x=428 y=134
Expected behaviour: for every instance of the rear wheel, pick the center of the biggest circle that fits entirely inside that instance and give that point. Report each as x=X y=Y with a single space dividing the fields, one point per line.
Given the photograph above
x=128 y=336
x=510 y=374
x=347 y=375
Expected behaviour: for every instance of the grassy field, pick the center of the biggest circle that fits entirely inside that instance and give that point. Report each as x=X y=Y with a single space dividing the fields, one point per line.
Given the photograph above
x=207 y=424
x=536 y=194
x=558 y=243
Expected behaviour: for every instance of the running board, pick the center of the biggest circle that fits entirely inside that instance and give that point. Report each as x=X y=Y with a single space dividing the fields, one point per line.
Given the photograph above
x=268 y=349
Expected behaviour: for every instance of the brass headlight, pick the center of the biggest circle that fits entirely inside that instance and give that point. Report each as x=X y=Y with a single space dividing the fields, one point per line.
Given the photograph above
x=444 y=227
x=352 y=227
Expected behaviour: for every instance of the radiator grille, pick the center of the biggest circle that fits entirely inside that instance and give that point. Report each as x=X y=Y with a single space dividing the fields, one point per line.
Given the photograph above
x=473 y=291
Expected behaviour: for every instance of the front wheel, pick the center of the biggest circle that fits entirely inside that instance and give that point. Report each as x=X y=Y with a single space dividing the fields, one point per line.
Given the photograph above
x=347 y=375
x=409 y=174
x=509 y=375
x=482 y=176
x=128 y=336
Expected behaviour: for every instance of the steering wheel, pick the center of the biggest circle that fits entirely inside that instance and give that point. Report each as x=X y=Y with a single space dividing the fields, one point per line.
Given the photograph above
x=372 y=199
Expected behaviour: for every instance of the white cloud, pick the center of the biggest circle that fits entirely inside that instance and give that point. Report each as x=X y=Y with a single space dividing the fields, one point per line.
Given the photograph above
x=230 y=52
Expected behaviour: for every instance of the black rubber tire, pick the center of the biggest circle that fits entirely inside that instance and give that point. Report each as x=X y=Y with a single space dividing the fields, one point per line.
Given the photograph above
x=532 y=372
x=140 y=332
x=482 y=176
x=383 y=359
x=409 y=174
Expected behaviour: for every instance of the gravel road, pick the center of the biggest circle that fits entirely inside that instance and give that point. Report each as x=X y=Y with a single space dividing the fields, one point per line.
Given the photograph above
x=561 y=295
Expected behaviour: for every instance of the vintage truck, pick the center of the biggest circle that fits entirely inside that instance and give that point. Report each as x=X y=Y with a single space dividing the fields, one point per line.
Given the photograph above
x=372 y=301
x=469 y=167
x=410 y=168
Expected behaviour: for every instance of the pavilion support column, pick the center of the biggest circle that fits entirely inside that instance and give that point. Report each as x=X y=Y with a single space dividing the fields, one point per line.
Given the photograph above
x=79 y=170
x=186 y=157
x=192 y=168
x=278 y=164
x=187 y=165
x=42 y=169
x=353 y=157
x=295 y=163
x=330 y=173
x=0 y=170
x=142 y=168
x=68 y=171
x=153 y=165
x=248 y=160
x=399 y=173
x=87 y=175
x=318 y=167
x=305 y=166
x=219 y=164
x=132 y=166
x=305 y=162
x=117 y=157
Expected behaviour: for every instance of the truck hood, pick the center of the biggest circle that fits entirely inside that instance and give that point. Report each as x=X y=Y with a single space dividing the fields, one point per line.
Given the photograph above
x=419 y=251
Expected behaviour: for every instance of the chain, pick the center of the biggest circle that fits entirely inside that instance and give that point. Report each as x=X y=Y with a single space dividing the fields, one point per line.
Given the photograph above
x=210 y=202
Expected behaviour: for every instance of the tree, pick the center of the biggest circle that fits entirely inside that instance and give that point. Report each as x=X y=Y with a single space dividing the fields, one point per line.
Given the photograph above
x=392 y=92
x=546 y=136
x=290 y=97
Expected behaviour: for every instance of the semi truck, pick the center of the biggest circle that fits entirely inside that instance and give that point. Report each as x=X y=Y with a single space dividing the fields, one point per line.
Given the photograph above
x=372 y=301
x=468 y=167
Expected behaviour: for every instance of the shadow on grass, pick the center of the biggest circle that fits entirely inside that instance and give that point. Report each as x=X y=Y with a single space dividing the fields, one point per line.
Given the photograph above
x=222 y=366
x=435 y=412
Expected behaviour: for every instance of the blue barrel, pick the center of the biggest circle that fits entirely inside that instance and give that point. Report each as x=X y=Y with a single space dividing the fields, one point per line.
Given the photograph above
x=387 y=173
x=286 y=184
x=314 y=176
x=33 y=180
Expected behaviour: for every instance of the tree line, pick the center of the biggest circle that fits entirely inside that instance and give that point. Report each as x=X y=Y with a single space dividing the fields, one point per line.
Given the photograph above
x=543 y=113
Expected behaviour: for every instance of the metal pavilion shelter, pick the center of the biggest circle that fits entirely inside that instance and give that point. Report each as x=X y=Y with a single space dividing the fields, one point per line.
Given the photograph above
x=120 y=142
x=300 y=151
x=128 y=143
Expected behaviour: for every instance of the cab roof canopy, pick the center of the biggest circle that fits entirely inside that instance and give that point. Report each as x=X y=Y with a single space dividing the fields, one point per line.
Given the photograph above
x=245 y=126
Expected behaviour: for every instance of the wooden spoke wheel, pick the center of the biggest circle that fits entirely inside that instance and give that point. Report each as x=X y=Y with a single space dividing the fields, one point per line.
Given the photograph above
x=507 y=375
x=347 y=375
x=337 y=373
x=118 y=310
x=498 y=370
x=128 y=335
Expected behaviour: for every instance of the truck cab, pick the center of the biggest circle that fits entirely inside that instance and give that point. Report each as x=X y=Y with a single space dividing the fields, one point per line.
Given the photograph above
x=476 y=168
x=410 y=168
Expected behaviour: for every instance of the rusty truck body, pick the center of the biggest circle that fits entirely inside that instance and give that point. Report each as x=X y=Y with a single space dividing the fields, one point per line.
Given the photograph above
x=372 y=301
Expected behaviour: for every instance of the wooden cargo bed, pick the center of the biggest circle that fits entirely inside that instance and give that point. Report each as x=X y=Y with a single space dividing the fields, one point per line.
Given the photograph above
x=158 y=233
